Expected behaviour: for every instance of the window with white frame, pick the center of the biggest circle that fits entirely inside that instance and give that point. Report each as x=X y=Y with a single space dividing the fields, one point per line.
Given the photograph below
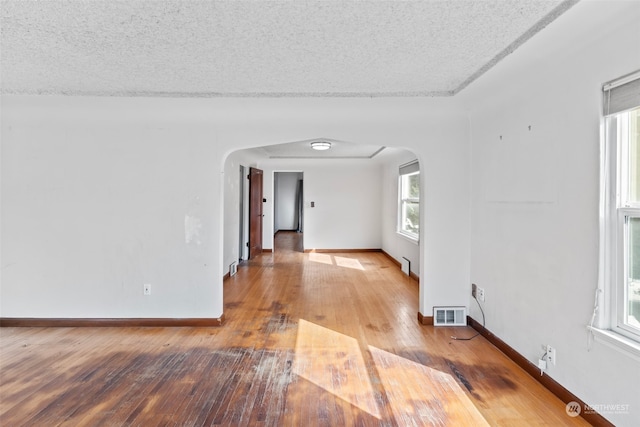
x=620 y=257
x=409 y=201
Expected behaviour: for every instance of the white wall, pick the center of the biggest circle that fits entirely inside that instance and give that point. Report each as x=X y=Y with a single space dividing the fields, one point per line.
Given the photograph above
x=445 y=168
x=347 y=197
x=285 y=196
x=393 y=243
x=535 y=196
x=96 y=205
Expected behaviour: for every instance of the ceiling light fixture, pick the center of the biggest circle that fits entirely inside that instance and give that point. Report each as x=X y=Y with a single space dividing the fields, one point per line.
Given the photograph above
x=321 y=145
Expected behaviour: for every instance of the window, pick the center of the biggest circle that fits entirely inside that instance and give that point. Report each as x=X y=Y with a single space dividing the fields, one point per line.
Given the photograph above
x=620 y=258
x=409 y=201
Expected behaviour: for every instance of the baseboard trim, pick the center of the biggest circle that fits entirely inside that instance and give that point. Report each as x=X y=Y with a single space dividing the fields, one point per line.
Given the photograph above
x=413 y=275
x=338 y=251
x=392 y=259
x=36 y=322
x=549 y=383
x=425 y=320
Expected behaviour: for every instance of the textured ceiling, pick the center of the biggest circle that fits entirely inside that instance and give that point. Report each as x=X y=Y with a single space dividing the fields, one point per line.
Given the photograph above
x=261 y=48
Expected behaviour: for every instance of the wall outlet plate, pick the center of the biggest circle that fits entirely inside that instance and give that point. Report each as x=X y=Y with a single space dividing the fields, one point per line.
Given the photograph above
x=551 y=355
x=542 y=364
x=147 y=289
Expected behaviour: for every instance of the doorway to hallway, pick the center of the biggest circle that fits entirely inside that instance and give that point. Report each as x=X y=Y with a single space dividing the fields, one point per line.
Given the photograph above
x=288 y=241
x=288 y=210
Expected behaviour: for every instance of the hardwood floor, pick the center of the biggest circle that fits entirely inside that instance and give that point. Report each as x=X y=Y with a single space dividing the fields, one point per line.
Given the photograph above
x=310 y=340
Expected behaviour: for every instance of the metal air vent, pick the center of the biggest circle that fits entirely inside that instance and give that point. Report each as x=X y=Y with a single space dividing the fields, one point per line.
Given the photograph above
x=449 y=316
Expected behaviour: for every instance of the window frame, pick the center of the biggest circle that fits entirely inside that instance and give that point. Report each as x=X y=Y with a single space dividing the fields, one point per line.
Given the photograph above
x=616 y=212
x=627 y=210
x=402 y=202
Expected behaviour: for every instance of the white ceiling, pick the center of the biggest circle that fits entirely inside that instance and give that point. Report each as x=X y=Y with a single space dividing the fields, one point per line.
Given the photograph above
x=260 y=48
x=339 y=150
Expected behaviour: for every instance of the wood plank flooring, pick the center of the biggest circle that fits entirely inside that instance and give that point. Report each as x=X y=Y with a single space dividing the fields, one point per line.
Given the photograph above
x=310 y=340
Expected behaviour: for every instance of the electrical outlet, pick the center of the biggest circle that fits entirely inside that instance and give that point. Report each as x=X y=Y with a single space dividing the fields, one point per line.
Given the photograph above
x=474 y=290
x=481 y=294
x=551 y=355
x=147 y=289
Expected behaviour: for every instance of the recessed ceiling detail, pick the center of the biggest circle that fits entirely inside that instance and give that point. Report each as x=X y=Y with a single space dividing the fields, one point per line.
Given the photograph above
x=339 y=150
x=264 y=48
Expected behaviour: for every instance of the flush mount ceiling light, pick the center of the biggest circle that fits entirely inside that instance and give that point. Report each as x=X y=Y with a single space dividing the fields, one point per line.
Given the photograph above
x=321 y=145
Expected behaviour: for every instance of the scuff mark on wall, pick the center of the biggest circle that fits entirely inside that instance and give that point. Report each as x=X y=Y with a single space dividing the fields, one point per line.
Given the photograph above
x=192 y=227
x=193 y=223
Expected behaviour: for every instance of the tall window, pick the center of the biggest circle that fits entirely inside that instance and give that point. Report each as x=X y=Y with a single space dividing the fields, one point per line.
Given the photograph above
x=409 y=201
x=622 y=204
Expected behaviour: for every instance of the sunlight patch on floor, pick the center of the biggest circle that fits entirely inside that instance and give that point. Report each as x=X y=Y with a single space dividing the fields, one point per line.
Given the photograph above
x=415 y=393
x=334 y=362
x=420 y=393
x=340 y=261
x=348 y=263
x=321 y=258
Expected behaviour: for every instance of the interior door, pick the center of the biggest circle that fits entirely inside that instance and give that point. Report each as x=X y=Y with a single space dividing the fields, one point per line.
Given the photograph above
x=255 y=212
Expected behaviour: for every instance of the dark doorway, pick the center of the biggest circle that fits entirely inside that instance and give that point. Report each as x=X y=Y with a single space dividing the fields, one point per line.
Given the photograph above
x=255 y=212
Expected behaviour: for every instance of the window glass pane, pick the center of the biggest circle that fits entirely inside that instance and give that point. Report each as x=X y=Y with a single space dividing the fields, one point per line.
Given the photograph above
x=413 y=186
x=411 y=217
x=633 y=285
x=634 y=155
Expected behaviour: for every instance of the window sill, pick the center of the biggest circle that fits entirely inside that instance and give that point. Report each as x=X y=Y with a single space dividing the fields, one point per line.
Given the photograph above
x=408 y=237
x=618 y=342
